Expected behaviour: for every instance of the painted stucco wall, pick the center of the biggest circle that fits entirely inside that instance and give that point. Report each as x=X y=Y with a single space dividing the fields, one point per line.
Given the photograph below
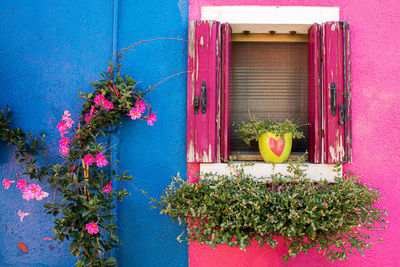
x=48 y=50
x=154 y=154
x=376 y=126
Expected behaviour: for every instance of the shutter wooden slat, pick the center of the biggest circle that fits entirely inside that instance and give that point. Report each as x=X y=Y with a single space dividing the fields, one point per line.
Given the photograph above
x=314 y=94
x=203 y=65
x=335 y=142
x=226 y=76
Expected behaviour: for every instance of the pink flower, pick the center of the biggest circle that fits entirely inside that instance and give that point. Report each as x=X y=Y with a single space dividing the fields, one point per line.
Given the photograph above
x=99 y=100
x=47 y=238
x=151 y=119
x=299 y=202
x=88 y=159
x=87 y=118
x=114 y=89
x=109 y=69
x=135 y=114
x=64 y=150
x=324 y=203
x=62 y=126
x=45 y=194
x=92 y=110
x=101 y=160
x=64 y=141
x=141 y=106
x=66 y=116
x=21 y=184
x=272 y=218
x=22 y=215
x=107 y=105
x=7 y=183
x=31 y=192
x=92 y=228
x=107 y=189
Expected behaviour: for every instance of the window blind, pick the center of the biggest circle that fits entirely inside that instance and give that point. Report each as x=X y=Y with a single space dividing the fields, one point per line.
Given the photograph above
x=269 y=80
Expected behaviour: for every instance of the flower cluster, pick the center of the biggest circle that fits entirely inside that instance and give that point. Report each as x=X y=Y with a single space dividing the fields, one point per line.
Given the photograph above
x=29 y=192
x=100 y=100
x=63 y=126
x=100 y=160
x=140 y=108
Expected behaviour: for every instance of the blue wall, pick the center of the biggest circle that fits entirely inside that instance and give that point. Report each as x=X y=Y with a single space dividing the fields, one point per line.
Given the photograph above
x=154 y=154
x=51 y=49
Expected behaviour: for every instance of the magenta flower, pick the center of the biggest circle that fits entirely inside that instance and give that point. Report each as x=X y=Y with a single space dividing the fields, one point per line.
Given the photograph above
x=87 y=118
x=101 y=160
x=92 y=228
x=272 y=218
x=109 y=69
x=92 y=110
x=31 y=192
x=325 y=203
x=99 y=100
x=141 y=106
x=64 y=141
x=114 y=89
x=21 y=184
x=22 y=215
x=151 y=119
x=135 y=114
x=299 y=202
x=47 y=238
x=107 y=105
x=7 y=183
x=64 y=150
x=88 y=159
x=108 y=188
x=62 y=126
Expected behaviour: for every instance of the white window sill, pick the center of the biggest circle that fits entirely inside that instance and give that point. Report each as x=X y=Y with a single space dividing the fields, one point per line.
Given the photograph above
x=316 y=172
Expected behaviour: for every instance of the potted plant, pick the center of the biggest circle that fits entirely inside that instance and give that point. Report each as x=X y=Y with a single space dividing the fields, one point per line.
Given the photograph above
x=274 y=138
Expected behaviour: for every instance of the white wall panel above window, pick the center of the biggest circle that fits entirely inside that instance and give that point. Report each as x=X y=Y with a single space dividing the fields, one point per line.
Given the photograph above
x=262 y=19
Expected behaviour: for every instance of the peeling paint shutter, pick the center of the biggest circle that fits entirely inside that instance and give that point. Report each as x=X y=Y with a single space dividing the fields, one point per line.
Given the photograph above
x=314 y=94
x=226 y=78
x=332 y=139
x=207 y=92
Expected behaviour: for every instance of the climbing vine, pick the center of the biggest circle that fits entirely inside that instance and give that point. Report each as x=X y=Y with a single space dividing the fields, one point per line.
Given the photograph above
x=84 y=179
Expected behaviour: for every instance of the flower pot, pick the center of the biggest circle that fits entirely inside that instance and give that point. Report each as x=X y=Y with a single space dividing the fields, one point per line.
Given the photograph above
x=274 y=148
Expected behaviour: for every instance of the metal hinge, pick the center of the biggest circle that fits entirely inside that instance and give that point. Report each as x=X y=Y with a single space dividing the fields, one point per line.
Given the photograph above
x=322 y=133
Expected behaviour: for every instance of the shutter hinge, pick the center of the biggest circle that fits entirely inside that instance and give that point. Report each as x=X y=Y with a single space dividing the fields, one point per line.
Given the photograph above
x=322 y=133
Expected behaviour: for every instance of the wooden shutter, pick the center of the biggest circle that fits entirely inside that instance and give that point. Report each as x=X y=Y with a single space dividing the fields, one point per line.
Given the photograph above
x=226 y=77
x=314 y=94
x=333 y=103
x=204 y=119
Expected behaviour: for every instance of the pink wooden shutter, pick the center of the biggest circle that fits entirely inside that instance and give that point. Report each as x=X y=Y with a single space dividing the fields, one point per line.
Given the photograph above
x=314 y=94
x=226 y=77
x=329 y=95
x=336 y=89
x=203 y=91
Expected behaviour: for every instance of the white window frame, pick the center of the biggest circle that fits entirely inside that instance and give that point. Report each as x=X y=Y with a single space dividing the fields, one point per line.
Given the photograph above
x=281 y=20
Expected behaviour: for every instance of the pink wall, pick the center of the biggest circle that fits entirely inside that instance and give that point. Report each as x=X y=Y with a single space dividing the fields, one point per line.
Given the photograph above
x=375 y=75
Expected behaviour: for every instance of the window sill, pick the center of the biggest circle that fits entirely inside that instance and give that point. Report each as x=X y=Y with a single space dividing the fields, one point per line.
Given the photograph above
x=316 y=172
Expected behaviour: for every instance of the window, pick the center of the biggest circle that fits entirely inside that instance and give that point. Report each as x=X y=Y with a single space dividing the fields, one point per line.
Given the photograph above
x=269 y=79
x=209 y=89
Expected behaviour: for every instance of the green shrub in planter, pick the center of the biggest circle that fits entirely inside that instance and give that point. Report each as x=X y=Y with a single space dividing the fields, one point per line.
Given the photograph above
x=337 y=218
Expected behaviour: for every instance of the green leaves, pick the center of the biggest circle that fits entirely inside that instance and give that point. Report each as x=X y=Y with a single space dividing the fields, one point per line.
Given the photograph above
x=253 y=129
x=336 y=218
